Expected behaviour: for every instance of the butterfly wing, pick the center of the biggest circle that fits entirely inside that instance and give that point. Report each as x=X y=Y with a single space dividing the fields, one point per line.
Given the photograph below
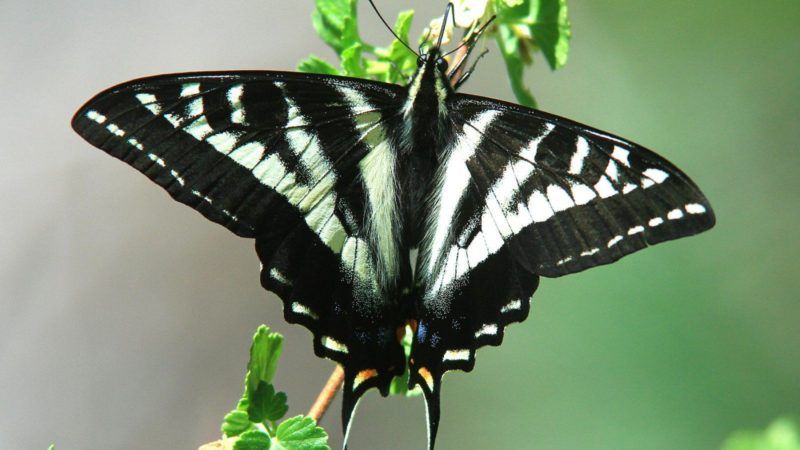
x=523 y=194
x=273 y=156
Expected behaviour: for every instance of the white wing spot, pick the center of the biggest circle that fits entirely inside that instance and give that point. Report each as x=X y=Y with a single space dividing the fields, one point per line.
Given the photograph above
x=675 y=214
x=621 y=155
x=332 y=344
x=173 y=119
x=635 y=230
x=300 y=308
x=456 y=355
x=605 y=188
x=278 y=276
x=539 y=207
x=488 y=329
x=612 y=170
x=149 y=102
x=628 y=188
x=195 y=107
x=135 y=143
x=96 y=116
x=190 y=89
x=590 y=252
x=695 y=208
x=153 y=157
x=177 y=177
x=561 y=262
x=653 y=176
x=583 y=194
x=235 y=100
x=581 y=152
x=559 y=199
x=199 y=129
x=656 y=221
x=115 y=130
x=514 y=305
x=614 y=241
x=223 y=142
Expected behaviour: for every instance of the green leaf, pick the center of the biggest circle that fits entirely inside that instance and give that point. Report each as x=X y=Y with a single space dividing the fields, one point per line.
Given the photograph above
x=399 y=384
x=266 y=404
x=235 y=423
x=264 y=354
x=336 y=22
x=396 y=56
x=514 y=11
x=52 y=447
x=352 y=61
x=300 y=433
x=253 y=440
x=510 y=48
x=781 y=434
x=314 y=64
x=551 y=30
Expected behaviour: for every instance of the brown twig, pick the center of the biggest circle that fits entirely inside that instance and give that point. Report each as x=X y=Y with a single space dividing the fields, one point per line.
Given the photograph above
x=327 y=394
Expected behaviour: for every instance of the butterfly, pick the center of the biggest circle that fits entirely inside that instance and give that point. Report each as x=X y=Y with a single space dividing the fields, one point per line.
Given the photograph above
x=380 y=209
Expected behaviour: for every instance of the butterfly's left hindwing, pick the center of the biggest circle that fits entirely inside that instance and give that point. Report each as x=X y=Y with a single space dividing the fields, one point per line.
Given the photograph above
x=277 y=157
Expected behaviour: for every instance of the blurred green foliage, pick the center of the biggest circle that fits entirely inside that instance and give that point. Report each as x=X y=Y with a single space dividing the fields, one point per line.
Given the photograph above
x=782 y=434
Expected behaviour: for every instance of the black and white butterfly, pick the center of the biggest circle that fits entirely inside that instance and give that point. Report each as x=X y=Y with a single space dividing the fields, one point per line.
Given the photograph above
x=375 y=206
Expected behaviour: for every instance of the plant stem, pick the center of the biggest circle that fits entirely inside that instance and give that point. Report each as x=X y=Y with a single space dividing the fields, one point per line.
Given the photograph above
x=327 y=394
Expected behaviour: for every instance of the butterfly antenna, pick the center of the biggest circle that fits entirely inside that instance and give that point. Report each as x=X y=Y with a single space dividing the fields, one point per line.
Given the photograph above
x=390 y=28
x=447 y=11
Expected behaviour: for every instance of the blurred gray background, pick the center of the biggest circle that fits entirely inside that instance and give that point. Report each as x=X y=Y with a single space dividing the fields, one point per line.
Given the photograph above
x=127 y=316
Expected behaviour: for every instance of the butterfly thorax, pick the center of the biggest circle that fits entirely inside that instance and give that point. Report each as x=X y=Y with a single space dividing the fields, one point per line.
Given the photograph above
x=425 y=107
x=425 y=129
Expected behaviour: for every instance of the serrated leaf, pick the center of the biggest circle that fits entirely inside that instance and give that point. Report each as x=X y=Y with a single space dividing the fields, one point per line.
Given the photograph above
x=264 y=354
x=352 y=61
x=253 y=440
x=314 y=64
x=300 y=433
x=551 y=30
x=266 y=404
x=235 y=423
x=509 y=47
x=336 y=22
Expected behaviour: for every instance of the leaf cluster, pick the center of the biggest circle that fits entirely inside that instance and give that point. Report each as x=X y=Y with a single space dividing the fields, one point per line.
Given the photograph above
x=255 y=419
x=521 y=28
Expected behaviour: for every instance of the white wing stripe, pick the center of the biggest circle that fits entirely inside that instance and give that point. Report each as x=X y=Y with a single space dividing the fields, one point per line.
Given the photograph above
x=455 y=180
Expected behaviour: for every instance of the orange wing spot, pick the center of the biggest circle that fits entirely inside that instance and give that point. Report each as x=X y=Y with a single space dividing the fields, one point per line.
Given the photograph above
x=363 y=376
x=426 y=375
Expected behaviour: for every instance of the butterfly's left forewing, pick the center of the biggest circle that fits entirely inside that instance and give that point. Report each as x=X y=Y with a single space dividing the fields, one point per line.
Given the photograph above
x=521 y=194
x=277 y=157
